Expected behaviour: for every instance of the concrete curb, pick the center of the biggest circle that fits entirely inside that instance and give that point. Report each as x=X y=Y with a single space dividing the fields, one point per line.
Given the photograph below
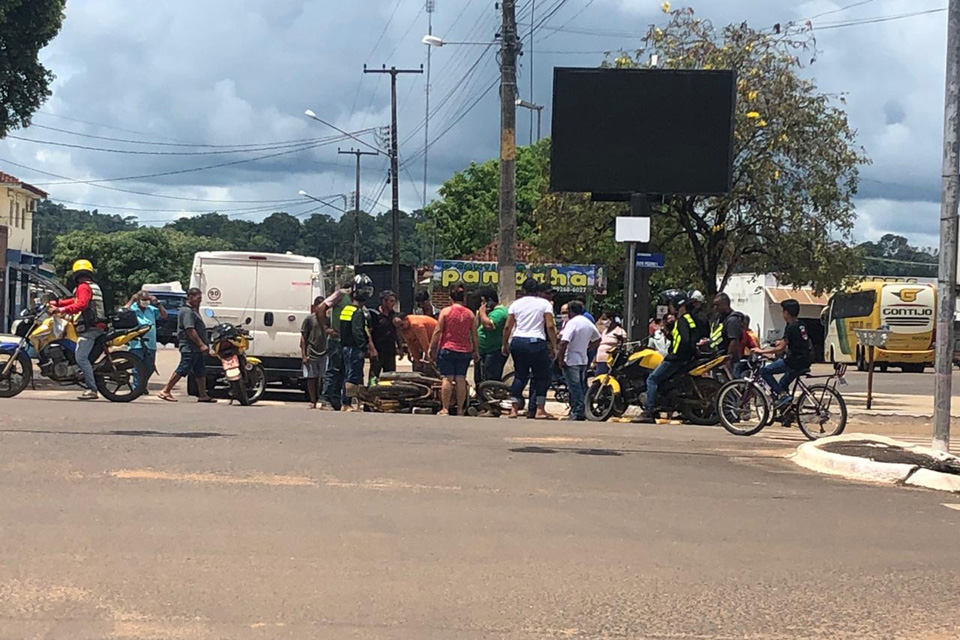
x=811 y=456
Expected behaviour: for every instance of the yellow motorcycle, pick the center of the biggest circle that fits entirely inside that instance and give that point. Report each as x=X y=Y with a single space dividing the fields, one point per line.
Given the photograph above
x=692 y=392
x=52 y=340
x=244 y=374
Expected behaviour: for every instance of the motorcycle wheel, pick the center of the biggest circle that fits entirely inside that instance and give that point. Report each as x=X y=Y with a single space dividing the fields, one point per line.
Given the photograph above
x=702 y=409
x=600 y=402
x=239 y=391
x=19 y=376
x=122 y=381
x=256 y=383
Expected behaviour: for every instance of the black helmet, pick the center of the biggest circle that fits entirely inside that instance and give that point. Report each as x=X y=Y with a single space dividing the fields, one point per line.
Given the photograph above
x=362 y=288
x=673 y=298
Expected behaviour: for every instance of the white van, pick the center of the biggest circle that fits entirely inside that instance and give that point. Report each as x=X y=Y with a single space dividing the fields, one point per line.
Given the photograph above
x=268 y=293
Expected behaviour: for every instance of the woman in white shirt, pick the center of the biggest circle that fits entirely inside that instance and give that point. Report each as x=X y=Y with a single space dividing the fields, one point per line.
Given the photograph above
x=531 y=338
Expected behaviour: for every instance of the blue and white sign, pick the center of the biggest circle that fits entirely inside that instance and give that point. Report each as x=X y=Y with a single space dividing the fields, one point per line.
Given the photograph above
x=649 y=261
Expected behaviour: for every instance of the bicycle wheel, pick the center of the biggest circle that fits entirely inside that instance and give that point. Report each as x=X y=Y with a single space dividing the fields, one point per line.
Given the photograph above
x=743 y=407
x=821 y=412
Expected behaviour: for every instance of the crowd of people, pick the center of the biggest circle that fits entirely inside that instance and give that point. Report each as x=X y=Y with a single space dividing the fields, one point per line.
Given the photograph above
x=348 y=329
x=344 y=331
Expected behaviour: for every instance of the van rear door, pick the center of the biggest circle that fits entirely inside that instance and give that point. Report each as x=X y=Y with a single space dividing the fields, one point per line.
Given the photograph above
x=284 y=296
x=229 y=287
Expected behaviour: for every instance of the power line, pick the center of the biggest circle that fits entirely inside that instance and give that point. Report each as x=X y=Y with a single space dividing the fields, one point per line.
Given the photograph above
x=130 y=191
x=827 y=13
x=301 y=145
x=184 y=144
x=179 y=171
x=877 y=19
x=141 y=210
x=384 y=32
x=104 y=126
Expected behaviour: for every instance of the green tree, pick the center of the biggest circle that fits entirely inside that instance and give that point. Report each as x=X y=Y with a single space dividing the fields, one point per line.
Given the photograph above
x=466 y=215
x=26 y=27
x=238 y=233
x=53 y=220
x=790 y=212
x=125 y=260
x=893 y=255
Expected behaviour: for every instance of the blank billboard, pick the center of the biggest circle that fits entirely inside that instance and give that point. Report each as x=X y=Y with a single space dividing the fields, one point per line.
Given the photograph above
x=660 y=131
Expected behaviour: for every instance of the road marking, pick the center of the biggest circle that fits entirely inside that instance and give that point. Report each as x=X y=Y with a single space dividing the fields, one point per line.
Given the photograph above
x=948 y=505
x=374 y=484
x=215 y=478
x=551 y=440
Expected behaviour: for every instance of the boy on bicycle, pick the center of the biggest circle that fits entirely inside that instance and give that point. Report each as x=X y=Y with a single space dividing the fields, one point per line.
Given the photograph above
x=795 y=351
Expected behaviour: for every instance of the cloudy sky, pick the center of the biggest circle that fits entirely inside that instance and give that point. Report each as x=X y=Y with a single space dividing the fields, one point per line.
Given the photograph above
x=210 y=95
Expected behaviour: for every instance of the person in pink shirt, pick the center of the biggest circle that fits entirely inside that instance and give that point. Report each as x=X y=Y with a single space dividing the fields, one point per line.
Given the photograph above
x=453 y=346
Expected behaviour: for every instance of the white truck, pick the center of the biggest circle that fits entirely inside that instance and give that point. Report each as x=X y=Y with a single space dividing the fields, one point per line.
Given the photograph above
x=267 y=293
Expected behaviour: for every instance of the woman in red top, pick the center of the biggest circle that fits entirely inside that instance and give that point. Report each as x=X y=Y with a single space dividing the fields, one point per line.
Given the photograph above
x=453 y=346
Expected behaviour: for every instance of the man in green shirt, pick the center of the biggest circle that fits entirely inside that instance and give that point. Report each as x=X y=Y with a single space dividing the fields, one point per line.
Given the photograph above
x=491 y=319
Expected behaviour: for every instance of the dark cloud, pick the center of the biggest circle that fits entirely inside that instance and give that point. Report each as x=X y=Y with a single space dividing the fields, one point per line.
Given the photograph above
x=243 y=71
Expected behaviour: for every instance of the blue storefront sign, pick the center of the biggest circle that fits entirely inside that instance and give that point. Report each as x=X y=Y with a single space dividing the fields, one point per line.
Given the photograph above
x=649 y=261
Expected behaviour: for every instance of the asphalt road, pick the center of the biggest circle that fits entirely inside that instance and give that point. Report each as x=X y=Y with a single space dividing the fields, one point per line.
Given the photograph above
x=191 y=521
x=893 y=381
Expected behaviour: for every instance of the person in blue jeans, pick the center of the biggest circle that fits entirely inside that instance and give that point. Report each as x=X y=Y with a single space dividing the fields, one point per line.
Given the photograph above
x=530 y=336
x=683 y=350
x=795 y=351
x=355 y=336
x=578 y=337
x=148 y=310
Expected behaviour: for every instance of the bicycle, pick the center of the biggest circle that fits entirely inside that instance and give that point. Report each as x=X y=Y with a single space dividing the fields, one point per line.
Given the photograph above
x=745 y=405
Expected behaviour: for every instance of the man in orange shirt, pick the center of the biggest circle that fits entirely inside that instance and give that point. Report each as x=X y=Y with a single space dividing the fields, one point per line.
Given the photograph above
x=417 y=332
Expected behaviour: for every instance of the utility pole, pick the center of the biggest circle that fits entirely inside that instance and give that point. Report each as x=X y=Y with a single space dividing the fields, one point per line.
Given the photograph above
x=533 y=26
x=506 y=251
x=431 y=6
x=394 y=166
x=947 y=274
x=356 y=202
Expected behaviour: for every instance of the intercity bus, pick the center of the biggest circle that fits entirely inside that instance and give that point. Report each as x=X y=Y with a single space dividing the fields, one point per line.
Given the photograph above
x=907 y=309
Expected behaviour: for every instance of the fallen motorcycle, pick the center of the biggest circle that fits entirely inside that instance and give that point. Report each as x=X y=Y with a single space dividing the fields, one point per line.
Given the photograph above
x=414 y=392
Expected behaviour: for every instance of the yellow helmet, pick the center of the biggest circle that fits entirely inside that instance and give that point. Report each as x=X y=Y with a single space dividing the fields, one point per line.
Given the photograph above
x=82 y=265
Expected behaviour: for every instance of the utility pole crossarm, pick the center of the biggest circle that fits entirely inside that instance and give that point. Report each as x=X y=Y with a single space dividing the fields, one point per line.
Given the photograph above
x=394 y=166
x=356 y=208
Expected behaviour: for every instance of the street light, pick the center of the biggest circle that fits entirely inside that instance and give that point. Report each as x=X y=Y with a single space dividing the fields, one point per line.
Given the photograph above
x=304 y=194
x=533 y=107
x=434 y=41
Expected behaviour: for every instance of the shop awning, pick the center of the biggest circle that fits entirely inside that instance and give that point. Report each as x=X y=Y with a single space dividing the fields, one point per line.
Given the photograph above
x=803 y=296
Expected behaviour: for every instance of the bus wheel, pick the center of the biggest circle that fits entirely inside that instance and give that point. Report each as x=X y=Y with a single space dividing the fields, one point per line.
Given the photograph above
x=882 y=367
x=861 y=360
x=833 y=356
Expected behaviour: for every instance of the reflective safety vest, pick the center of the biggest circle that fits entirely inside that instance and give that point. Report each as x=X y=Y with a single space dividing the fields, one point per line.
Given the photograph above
x=95 y=311
x=716 y=336
x=346 y=326
x=675 y=342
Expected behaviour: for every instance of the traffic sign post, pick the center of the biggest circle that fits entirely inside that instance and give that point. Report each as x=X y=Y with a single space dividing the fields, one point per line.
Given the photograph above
x=871 y=339
x=635 y=231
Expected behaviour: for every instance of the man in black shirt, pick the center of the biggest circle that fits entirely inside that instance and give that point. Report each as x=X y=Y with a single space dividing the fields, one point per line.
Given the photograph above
x=727 y=333
x=796 y=353
x=383 y=331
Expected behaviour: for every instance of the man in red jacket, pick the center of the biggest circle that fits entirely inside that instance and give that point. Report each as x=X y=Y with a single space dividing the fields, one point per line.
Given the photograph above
x=87 y=301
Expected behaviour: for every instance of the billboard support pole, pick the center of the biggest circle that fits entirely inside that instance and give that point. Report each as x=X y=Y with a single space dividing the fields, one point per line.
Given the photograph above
x=629 y=289
x=640 y=291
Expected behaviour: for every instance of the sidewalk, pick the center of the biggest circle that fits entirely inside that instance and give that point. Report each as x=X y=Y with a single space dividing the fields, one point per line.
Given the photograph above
x=889 y=404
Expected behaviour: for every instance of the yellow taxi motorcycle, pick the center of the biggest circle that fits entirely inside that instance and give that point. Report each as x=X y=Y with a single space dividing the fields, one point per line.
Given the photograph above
x=692 y=392
x=52 y=340
x=243 y=374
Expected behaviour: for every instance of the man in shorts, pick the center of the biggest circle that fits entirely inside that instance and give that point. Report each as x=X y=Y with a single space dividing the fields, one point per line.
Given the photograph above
x=313 y=351
x=192 y=337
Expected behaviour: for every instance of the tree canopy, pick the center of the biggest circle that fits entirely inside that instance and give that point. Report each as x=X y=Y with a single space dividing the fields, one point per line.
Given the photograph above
x=26 y=26
x=796 y=163
x=466 y=215
x=892 y=255
x=125 y=260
